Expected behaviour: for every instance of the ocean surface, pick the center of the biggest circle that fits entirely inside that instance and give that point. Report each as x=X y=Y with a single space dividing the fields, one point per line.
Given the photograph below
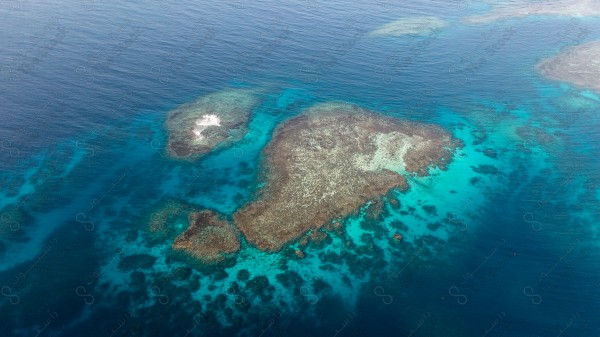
x=502 y=243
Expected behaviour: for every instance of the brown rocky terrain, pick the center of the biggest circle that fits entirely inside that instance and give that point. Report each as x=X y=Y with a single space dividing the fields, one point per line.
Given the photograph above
x=209 y=237
x=327 y=162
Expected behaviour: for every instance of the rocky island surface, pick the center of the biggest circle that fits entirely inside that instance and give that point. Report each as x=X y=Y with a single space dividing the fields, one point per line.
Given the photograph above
x=328 y=161
x=579 y=65
x=213 y=121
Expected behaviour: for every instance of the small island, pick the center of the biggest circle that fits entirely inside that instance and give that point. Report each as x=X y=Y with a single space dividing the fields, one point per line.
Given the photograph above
x=565 y=8
x=579 y=65
x=325 y=163
x=209 y=238
x=420 y=25
x=213 y=121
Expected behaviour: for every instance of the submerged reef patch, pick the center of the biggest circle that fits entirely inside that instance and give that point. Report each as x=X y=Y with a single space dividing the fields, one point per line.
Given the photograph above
x=325 y=163
x=512 y=9
x=209 y=237
x=577 y=65
x=213 y=121
x=161 y=224
x=420 y=25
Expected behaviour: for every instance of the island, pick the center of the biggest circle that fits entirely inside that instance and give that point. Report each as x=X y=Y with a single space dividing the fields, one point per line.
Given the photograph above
x=420 y=25
x=579 y=65
x=213 y=121
x=565 y=8
x=327 y=162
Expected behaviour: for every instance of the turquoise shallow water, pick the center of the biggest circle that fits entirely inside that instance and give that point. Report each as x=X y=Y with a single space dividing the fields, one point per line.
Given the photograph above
x=503 y=243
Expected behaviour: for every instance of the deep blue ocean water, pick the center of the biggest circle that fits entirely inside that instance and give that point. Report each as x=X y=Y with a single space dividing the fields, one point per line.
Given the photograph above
x=85 y=89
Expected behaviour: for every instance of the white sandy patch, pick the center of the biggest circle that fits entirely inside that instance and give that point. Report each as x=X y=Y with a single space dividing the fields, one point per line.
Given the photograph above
x=391 y=148
x=204 y=122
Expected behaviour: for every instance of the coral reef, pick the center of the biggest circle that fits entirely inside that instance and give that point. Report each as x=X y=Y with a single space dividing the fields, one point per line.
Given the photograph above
x=421 y=25
x=578 y=65
x=327 y=162
x=512 y=9
x=161 y=224
x=213 y=121
x=209 y=237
